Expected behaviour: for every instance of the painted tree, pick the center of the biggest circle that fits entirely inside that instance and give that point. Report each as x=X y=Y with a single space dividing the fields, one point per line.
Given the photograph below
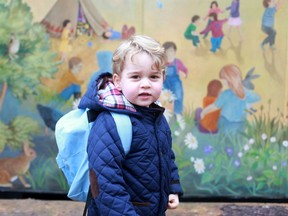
x=25 y=54
x=25 y=57
x=16 y=131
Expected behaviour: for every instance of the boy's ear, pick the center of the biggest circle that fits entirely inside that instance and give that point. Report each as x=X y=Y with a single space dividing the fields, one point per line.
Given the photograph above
x=116 y=81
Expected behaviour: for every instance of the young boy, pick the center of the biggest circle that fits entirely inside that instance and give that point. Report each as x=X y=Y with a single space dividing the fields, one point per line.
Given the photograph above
x=191 y=33
x=145 y=181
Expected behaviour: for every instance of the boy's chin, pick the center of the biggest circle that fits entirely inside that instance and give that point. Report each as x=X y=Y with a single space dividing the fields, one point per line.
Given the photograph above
x=143 y=104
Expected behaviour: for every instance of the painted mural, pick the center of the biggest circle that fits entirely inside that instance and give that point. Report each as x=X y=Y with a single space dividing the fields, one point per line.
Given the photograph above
x=225 y=94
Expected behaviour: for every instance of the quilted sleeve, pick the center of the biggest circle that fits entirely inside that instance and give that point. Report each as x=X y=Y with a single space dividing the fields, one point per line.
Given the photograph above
x=175 y=186
x=105 y=155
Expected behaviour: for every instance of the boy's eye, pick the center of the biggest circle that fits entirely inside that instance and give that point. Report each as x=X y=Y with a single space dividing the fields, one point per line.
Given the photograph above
x=135 y=77
x=155 y=76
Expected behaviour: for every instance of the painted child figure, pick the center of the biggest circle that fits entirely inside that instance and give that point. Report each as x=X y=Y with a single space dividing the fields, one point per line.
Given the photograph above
x=66 y=38
x=172 y=81
x=191 y=31
x=233 y=101
x=268 y=22
x=111 y=34
x=234 y=19
x=214 y=8
x=144 y=181
x=69 y=84
x=209 y=124
x=216 y=27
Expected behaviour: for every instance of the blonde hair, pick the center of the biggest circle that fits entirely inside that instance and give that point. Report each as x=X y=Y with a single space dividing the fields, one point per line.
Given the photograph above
x=137 y=44
x=232 y=74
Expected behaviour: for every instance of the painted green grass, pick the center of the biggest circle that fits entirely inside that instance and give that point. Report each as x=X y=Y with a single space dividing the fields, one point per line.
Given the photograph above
x=251 y=164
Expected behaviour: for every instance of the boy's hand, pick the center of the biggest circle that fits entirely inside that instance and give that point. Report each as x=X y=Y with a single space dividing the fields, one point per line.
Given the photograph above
x=173 y=201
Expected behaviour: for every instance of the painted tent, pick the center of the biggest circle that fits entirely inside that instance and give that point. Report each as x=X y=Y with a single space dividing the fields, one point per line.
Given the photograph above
x=251 y=163
x=77 y=11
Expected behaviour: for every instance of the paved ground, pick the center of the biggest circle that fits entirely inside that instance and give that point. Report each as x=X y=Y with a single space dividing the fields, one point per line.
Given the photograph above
x=32 y=207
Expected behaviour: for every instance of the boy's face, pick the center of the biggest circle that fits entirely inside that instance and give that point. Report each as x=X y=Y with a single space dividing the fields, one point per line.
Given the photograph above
x=77 y=68
x=170 y=53
x=139 y=83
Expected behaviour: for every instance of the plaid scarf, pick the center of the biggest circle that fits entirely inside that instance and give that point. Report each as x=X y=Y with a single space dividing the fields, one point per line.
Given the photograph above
x=112 y=97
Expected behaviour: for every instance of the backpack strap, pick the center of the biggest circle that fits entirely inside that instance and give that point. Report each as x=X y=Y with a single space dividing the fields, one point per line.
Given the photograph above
x=123 y=125
x=124 y=129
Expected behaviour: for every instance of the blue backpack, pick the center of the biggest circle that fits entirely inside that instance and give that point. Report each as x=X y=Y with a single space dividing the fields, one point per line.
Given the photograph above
x=71 y=132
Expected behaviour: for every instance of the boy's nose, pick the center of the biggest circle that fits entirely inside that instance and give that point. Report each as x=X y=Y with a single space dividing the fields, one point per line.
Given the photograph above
x=145 y=83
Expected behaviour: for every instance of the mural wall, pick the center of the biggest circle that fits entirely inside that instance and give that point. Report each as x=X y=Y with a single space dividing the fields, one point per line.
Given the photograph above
x=229 y=121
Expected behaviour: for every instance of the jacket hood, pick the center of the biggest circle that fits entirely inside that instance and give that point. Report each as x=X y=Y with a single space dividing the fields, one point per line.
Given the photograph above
x=102 y=95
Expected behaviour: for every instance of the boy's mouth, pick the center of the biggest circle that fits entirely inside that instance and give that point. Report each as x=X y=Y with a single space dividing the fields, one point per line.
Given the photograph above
x=144 y=94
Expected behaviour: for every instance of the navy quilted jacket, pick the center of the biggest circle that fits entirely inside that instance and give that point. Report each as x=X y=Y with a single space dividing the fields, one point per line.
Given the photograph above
x=140 y=182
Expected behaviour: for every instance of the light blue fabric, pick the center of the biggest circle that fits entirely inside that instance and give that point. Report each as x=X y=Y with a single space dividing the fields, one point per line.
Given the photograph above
x=234 y=108
x=269 y=16
x=124 y=128
x=71 y=133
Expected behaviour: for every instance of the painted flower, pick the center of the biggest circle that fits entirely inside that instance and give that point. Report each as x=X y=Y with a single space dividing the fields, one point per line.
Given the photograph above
x=246 y=147
x=176 y=133
x=191 y=141
x=273 y=139
x=172 y=97
x=199 y=166
x=237 y=163
x=208 y=149
x=229 y=151
x=284 y=164
x=264 y=136
x=240 y=154
x=274 y=167
x=285 y=143
x=181 y=121
x=192 y=159
x=249 y=178
x=168 y=95
x=251 y=141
